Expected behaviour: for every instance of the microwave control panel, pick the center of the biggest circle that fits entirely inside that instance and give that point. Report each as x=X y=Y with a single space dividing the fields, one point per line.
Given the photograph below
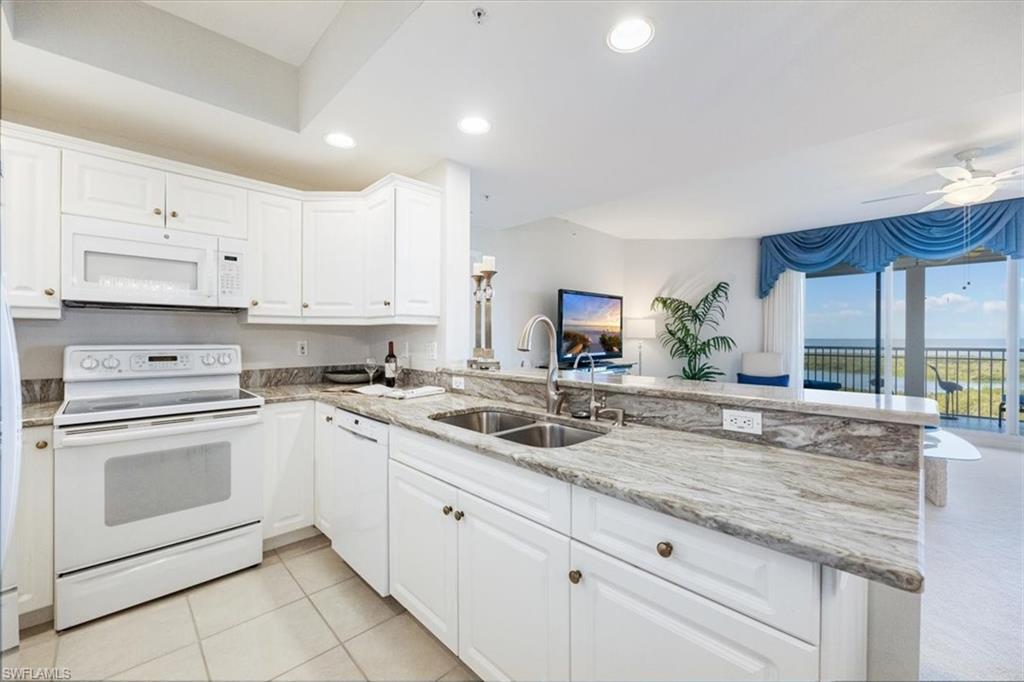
x=231 y=273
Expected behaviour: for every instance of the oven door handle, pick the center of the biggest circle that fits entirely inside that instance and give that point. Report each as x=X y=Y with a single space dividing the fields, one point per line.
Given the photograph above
x=156 y=428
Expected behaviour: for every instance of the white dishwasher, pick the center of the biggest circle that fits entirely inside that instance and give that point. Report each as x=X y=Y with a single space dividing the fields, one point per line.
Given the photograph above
x=360 y=473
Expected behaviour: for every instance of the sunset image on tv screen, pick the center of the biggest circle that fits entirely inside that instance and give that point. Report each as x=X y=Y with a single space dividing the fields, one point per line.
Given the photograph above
x=591 y=324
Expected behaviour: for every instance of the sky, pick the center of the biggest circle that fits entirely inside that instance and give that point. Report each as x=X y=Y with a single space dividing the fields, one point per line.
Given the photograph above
x=843 y=307
x=595 y=311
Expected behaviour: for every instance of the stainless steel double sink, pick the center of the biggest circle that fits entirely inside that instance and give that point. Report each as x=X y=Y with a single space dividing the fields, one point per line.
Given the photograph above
x=519 y=428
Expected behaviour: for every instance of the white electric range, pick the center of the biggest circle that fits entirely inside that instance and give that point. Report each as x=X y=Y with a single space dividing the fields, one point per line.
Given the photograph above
x=158 y=475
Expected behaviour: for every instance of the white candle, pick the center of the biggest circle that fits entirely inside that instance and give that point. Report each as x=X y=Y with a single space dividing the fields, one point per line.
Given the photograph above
x=489 y=263
x=478 y=268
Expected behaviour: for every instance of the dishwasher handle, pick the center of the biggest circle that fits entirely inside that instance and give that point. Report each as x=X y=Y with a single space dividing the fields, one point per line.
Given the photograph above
x=357 y=434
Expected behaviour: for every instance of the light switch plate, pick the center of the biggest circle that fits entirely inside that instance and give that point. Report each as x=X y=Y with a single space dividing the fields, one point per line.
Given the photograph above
x=459 y=383
x=742 y=421
x=432 y=350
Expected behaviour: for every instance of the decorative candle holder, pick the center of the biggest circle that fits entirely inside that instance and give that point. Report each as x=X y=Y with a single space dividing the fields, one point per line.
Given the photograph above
x=483 y=295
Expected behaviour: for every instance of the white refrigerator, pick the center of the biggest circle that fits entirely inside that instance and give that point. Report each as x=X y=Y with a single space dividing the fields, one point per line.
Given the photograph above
x=10 y=470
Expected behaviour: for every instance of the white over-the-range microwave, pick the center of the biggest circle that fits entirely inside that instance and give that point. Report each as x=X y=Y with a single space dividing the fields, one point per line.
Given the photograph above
x=115 y=263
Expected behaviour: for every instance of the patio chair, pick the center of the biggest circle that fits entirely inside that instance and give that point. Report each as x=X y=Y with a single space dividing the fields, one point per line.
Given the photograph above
x=947 y=387
x=1002 y=409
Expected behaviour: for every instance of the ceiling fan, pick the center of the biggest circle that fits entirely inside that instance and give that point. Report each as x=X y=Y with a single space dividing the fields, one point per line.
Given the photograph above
x=967 y=184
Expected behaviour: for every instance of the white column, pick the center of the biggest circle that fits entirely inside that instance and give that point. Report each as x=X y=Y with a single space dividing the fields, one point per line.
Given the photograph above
x=784 y=324
x=1013 y=275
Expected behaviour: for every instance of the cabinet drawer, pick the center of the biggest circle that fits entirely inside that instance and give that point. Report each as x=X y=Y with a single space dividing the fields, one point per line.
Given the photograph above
x=630 y=625
x=769 y=586
x=535 y=496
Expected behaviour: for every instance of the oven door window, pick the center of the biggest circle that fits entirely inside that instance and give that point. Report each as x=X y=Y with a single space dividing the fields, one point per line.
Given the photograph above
x=146 y=485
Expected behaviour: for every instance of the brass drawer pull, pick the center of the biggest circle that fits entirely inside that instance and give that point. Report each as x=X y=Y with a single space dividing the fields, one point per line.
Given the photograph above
x=328 y=418
x=575 y=577
x=254 y=303
x=49 y=291
x=41 y=444
x=174 y=214
x=157 y=211
x=305 y=305
x=446 y=510
x=459 y=515
x=665 y=549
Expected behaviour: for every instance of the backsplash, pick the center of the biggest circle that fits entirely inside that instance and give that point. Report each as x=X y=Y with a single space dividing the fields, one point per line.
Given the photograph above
x=42 y=390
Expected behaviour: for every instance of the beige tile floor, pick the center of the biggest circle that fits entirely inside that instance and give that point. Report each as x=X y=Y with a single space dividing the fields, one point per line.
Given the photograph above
x=301 y=615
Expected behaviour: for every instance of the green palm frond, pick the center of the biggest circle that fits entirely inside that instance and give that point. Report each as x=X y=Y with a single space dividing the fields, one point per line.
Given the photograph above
x=684 y=324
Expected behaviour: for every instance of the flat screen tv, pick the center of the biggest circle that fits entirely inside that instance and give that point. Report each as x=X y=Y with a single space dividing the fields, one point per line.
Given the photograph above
x=589 y=323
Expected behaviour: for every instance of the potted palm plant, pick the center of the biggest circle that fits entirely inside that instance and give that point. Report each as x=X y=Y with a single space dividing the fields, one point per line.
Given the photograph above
x=685 y=326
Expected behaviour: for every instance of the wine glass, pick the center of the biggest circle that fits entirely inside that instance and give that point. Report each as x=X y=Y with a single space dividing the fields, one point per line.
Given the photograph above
x=371 y=368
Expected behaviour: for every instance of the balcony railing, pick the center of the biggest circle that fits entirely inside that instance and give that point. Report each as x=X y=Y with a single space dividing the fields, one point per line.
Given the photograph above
x=966 y=382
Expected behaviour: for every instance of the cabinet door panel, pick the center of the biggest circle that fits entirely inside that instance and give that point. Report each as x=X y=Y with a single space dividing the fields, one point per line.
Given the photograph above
x=423 y=544
x=630 y=625
x=513 y=595
x=417 y=252
x=30 y=215
x=33 y=527
x=204 y=206
x=380 y=253
x=333 y=256
x=275 y=256
x=323 y=470
x=288 y=468
x=105 y=188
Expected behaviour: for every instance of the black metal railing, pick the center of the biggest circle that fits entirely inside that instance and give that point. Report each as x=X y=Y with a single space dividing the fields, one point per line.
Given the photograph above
x=967 y=382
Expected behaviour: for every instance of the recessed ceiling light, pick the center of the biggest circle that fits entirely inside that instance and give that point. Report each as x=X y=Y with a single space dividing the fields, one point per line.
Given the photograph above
x=630 y=35
x=340 y=140
x=474 y=125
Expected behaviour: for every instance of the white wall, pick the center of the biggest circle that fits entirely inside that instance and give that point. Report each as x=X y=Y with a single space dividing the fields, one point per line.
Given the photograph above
x=688 y=269
x=41 y=342
x=536 y=260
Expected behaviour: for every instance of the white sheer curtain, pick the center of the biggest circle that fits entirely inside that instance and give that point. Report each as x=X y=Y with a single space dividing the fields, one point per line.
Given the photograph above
x=784 y=324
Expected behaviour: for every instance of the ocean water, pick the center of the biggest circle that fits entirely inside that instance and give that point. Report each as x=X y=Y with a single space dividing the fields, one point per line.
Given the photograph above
x=929 y=343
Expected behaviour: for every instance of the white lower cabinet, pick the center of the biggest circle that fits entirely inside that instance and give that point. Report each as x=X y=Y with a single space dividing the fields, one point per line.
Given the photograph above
x=33 y=527
x=324 y=498
x=423 y=549
x=288 y=467
x=513 y=595
x=630 y=625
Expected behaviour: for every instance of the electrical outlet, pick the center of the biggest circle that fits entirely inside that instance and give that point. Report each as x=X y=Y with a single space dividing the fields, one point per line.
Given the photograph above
x=432 y=350
x=302 y=348
x=459 y=383
x=743 y=422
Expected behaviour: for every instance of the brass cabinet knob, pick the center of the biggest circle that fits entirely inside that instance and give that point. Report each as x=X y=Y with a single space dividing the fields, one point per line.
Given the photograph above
x=174 y=214
x=41 y=444
x=254 y=303
x=446 y=510
x=49 y=291
x=305 y=305
x=575 y=576
x=665 y=549
x=459 y=515
x=328 y=418
x=157 y=211
x=387 y=303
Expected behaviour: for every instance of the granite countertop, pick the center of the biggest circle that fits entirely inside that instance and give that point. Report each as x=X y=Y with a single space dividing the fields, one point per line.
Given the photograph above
x=867 y=406
x=859 y=517
x=38 y=414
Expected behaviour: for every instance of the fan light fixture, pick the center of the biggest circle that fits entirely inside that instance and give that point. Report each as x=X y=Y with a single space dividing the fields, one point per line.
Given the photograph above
x=969 y=195
x=474 y=125
x=340 y=140
x=630 y=35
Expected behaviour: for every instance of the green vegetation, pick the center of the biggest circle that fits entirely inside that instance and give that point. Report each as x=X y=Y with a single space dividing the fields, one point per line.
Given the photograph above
x=684 y=325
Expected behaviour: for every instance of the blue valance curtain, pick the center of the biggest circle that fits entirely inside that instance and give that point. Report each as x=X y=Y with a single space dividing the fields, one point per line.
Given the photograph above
x=872 y=245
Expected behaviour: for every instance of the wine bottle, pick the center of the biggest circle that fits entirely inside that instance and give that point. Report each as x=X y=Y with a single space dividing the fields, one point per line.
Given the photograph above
x=390 y=366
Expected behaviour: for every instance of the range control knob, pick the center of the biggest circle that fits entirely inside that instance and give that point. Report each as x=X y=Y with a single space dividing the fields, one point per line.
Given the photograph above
x=89 y=362
x=110 y=362
x=208 y=359
x=224 y=358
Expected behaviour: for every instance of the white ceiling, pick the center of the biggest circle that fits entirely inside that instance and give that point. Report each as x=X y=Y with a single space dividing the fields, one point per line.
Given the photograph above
x=740 y=119
x=284 y=29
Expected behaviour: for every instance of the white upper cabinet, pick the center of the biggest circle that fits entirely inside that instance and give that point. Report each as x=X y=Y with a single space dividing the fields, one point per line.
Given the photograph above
x=208 y=207
x=30 y=215
x=103 y=188
x=417 y=252
x=274 y=256
x=333 y=262
x=380 y=253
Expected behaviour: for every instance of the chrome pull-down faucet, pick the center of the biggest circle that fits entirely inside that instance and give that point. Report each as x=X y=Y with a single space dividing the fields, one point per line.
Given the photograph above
x=598 y=408
x=555 y=397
